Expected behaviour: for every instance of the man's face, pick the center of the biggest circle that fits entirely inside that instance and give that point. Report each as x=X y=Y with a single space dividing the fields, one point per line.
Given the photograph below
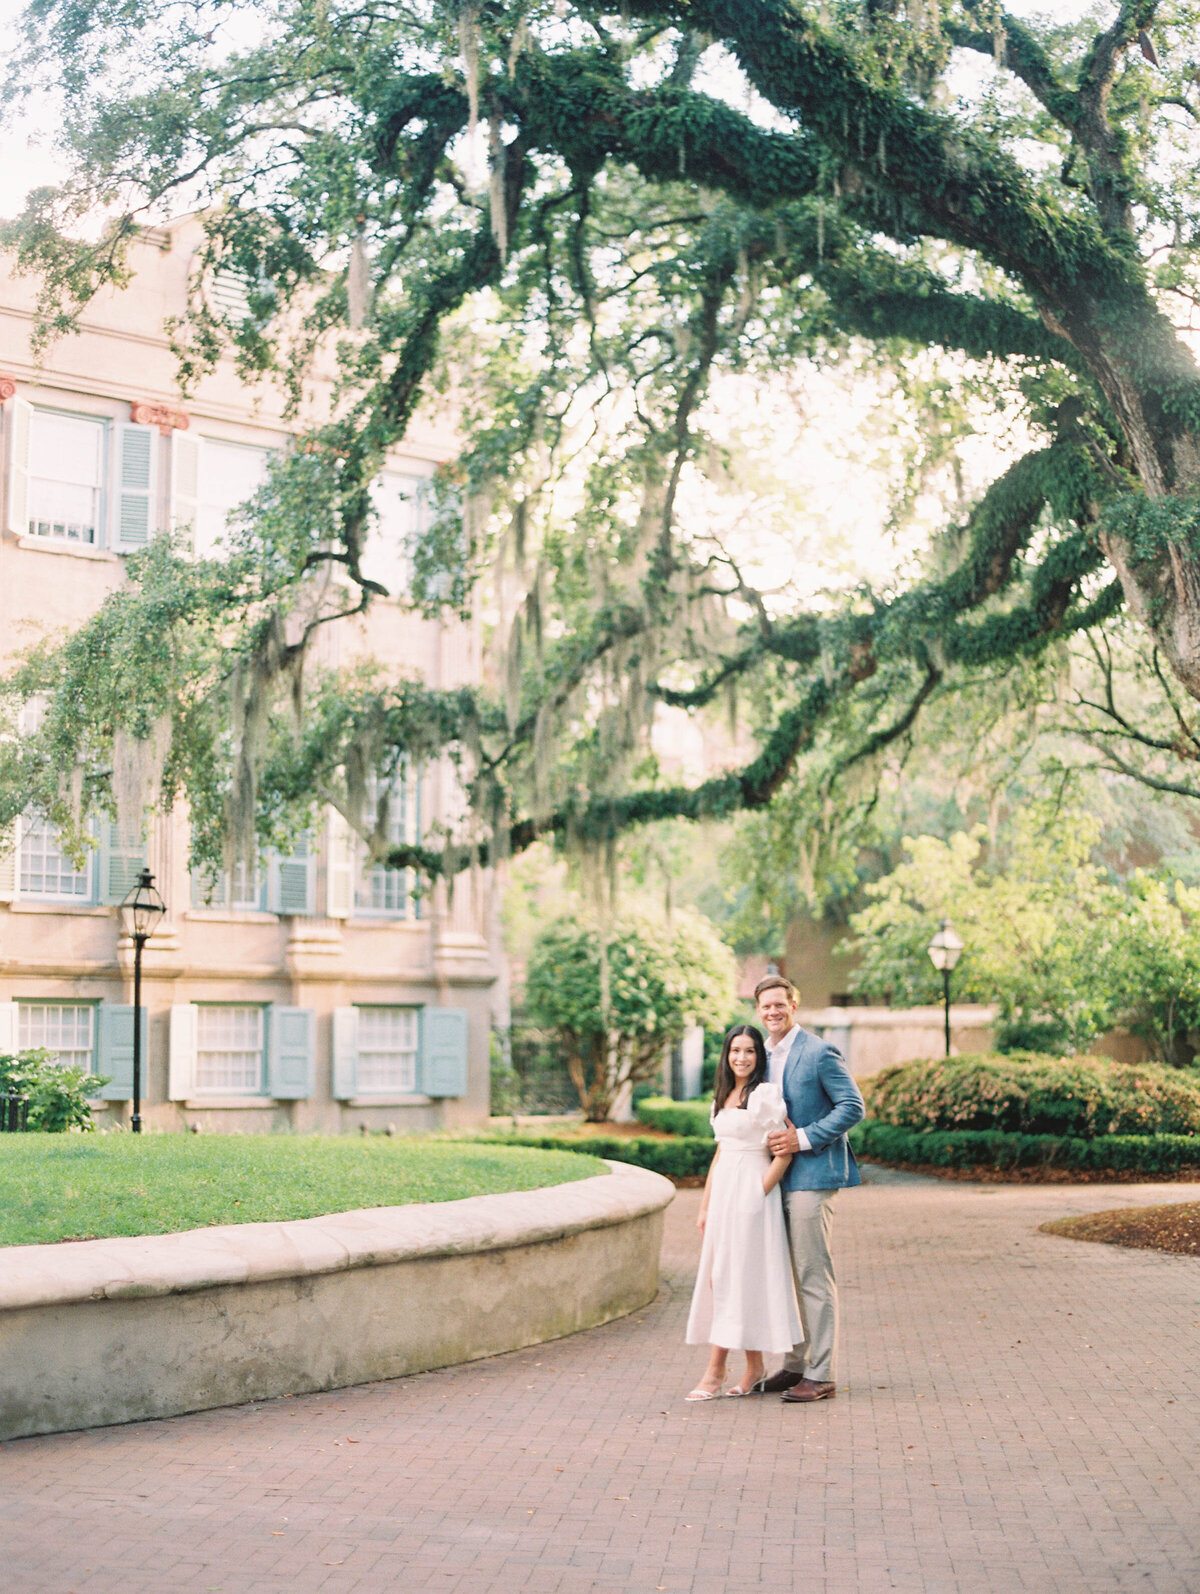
x=776 y=1011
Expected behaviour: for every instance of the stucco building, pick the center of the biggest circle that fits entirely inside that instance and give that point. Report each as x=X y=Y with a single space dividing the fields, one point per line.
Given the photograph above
x=322 y=993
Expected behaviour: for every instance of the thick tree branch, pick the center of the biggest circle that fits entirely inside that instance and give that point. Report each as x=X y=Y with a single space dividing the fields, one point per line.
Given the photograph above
x=881 y=297
x=669 y=134
x=1109 y=177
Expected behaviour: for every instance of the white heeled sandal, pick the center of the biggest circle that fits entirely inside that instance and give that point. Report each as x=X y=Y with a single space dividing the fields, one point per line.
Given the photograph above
x=707 y=1394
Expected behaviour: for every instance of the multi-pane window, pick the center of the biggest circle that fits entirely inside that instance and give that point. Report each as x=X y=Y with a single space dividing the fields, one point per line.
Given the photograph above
x=65 y=1029
x=387 y=1049
x=46 y=870
x=238 y=887
x=229 y=1049
x=229 y=474
x=277 y=883
x=245 y=885
x=66 y=477
x=391 y=891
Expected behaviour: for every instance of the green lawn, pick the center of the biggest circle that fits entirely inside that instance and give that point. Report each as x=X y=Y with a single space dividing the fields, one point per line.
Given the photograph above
x=74 y=1187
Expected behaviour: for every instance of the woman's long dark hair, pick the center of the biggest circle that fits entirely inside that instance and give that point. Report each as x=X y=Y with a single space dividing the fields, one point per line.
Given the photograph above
x=726 y=1081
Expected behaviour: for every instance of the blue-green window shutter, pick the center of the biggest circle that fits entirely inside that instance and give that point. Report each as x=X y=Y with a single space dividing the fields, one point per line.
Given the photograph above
x=345 y=1053
x=120 y=859
x=114 y=1051
x=291 y=1052
x=444 y=1035
x=292 y=887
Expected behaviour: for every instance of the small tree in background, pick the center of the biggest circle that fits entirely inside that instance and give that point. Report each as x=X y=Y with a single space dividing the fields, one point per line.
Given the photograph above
x=1149 y=957
x=1029 y=929
x=1064 y=950
x=615 y=997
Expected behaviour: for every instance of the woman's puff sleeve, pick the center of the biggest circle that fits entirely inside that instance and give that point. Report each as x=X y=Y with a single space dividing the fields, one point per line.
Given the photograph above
x=767 y=1109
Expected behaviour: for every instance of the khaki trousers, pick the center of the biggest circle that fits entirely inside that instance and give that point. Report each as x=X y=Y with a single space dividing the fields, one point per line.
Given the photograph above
x=809 y=1215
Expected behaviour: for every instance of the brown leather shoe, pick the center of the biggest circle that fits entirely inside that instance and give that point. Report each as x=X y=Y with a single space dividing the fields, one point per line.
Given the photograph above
x=807 y=1389
x=778 y=1382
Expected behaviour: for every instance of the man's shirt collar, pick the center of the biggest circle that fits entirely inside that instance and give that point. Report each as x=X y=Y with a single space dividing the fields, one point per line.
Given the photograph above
x=785 y=1040
x=777 y=1055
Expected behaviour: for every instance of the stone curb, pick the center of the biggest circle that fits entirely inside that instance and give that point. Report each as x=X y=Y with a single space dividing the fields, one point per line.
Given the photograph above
x=199 y=1259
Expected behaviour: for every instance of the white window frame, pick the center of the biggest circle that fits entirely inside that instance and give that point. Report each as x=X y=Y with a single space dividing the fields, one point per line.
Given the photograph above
x=372 y=880
x=205 y=1010
x=202 y=546
x=101 y=489
x=402 y=1081
x=85 y=898
x=226 y=883
x=26 y=1006
x=222 y=893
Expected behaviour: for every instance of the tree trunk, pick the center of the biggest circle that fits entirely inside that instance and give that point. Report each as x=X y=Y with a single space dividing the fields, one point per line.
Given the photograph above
x=1152 y=385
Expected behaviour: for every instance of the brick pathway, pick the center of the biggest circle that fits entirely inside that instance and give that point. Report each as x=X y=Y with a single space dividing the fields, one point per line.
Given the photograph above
x=1021 y=1414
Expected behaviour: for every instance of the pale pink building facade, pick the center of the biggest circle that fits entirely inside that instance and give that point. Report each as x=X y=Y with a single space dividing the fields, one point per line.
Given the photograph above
x=322 y=993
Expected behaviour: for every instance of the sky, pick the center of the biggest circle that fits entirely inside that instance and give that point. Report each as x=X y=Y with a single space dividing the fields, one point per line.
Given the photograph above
x=28 y=162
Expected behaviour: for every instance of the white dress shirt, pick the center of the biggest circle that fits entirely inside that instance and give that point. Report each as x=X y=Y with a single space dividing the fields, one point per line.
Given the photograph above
x=776 y=1057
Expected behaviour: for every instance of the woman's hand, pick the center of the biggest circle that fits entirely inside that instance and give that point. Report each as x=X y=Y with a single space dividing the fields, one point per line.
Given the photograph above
x=702 y=1220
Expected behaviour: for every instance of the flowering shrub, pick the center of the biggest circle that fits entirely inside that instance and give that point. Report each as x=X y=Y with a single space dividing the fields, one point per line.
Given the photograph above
x=58 y=1095
x=1033 y=1094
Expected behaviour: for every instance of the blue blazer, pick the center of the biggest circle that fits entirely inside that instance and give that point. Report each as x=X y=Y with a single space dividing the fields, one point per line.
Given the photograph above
x=823 y=1100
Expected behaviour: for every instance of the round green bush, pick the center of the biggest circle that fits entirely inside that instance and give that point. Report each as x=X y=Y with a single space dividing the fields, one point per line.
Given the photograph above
x=1030 y=1093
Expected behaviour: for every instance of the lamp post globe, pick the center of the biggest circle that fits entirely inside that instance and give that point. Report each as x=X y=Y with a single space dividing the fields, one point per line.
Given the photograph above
x=944 y=952
x=139 y=914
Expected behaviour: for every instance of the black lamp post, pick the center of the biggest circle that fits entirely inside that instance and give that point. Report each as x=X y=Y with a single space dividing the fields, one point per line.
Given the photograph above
x=944 y=952
x=140 y=912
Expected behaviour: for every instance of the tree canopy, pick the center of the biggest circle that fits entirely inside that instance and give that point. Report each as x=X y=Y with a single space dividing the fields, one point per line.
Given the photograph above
x=589 y=224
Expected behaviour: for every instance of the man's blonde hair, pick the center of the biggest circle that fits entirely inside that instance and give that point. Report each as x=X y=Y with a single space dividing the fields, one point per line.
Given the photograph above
x=770 y=981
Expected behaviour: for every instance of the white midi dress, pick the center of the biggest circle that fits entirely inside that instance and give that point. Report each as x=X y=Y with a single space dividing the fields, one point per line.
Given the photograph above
x=744 y=1297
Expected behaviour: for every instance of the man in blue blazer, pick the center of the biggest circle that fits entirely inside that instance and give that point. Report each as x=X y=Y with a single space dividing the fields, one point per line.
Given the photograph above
x=823 y=1102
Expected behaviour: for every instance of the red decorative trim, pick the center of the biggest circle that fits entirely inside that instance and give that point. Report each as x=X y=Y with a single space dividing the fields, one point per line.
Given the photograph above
x=8 y=388
x=166 y=420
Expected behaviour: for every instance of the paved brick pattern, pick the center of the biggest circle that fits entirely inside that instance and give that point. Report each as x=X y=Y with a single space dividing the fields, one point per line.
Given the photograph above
x=1019 y=1413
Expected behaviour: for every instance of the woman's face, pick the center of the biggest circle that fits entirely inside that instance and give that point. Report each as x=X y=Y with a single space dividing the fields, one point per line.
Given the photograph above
x=743 y=1059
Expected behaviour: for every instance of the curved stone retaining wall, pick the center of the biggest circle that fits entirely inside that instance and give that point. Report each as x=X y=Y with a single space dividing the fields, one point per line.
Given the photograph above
x=109 y=1331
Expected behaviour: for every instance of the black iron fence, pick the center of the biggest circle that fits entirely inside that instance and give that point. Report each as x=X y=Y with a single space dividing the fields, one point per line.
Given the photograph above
x=529 y=1076
x=14 y=1113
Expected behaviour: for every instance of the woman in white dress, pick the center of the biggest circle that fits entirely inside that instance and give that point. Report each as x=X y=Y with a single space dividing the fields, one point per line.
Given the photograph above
x=744 y=1297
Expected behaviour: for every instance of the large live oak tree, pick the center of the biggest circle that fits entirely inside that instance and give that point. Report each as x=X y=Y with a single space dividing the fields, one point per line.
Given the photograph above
x=680 y=189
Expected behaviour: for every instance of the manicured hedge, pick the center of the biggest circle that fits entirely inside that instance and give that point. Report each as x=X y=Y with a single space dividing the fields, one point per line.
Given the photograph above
x=683 y=1158
x=676 y=1117
x=1029 y=1093
x=1152 y=1155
